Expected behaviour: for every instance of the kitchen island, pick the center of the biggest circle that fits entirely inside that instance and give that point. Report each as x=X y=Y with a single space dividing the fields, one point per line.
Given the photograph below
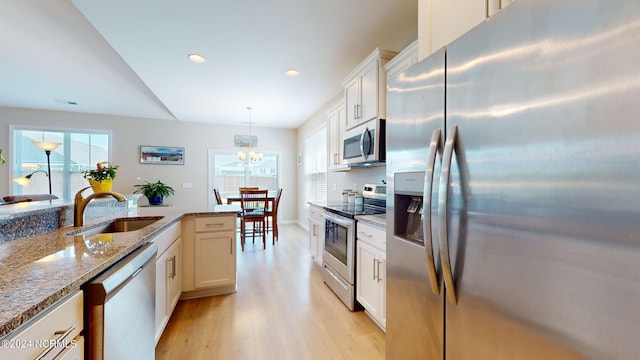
x=41 y=269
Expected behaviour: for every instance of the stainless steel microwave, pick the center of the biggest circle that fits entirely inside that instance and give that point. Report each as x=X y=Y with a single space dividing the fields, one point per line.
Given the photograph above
x=364 y=144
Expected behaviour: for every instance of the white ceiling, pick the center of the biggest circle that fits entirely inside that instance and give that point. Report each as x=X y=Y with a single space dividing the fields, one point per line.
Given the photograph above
x=123 y=57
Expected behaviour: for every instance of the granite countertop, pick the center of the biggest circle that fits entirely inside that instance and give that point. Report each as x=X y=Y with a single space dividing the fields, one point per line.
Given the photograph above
x=41 y=269
x=379 y=220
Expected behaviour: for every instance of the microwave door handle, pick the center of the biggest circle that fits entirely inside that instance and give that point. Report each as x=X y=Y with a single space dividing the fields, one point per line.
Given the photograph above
x=364 y=156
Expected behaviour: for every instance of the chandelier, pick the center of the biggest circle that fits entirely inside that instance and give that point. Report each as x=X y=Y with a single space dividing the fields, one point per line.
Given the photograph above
x=250 y=156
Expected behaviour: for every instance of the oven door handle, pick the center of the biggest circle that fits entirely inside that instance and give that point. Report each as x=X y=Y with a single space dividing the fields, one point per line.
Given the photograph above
x=339 y=221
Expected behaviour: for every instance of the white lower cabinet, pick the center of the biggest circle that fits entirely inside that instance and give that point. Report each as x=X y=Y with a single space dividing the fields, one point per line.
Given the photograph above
x=316 y=233
x=371 y=271
x=215 y=259
x=54 y=334
x=168 y=276
x=209 y=255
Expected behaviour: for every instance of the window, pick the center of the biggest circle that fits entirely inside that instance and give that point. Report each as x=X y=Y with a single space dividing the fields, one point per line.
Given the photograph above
x=229 y=173
x=315 y=166
x=78 y=151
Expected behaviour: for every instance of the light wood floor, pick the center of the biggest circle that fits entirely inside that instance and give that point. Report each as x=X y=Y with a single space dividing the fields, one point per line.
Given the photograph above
x=282 y=310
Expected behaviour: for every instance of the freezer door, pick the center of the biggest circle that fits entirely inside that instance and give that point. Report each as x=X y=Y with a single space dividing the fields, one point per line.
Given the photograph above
x=544 y=203
x=415 y=314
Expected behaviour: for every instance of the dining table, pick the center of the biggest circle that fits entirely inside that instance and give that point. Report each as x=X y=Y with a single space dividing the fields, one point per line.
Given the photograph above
x=235 y=198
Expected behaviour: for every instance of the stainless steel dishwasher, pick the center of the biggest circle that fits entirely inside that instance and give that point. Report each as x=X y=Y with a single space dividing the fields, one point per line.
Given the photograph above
x=121 y=308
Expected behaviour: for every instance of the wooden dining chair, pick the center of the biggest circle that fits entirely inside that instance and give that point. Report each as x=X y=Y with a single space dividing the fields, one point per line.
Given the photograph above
x=272 y=215
x=253 y=204
x=218 y=197
x=249 y=188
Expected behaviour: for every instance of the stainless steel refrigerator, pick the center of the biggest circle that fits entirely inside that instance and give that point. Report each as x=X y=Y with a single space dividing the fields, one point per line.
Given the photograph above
x=514 y=156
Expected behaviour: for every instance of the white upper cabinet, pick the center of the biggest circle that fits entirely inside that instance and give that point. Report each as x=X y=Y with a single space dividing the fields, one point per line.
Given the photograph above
x=493 y=6
x=337 y=122
x=452 y=18
x=442 y=21
x=407 y=57
x=365 y=89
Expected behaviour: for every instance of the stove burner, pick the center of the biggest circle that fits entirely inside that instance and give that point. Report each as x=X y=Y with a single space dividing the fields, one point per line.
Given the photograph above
x=351 y=210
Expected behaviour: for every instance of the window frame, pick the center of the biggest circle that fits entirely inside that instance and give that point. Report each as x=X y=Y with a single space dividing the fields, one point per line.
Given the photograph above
x=15 y=170
x=320 y=164
x=211 y=154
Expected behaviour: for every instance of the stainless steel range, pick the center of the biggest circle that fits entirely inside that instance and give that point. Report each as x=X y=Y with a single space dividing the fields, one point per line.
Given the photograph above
x=340 y=242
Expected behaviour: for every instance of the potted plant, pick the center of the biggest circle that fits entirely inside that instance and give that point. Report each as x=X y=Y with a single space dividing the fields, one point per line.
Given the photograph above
x=101 y=178
x=155 y=192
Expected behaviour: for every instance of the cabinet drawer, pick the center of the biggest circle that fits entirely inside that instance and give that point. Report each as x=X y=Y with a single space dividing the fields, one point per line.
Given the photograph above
x=56 y=327
x=316 y=213
x=372 y=235
x=167 y=237
x=215 y=223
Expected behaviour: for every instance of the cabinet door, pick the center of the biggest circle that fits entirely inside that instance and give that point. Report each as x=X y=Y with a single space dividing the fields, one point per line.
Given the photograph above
x=452 y=18
x=382 y=283
x=161 y=294
x=337 y=124
x=352 y=101
x=174 y=275
x=313 y=238
x=214 y=259
x=335 y=155
x=369 y=92
x=367 y=288
x=63 y=321
x=316 y=245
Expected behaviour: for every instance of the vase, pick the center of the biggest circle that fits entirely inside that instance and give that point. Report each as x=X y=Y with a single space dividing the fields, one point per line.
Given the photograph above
x=155 y=200
x=101 y=186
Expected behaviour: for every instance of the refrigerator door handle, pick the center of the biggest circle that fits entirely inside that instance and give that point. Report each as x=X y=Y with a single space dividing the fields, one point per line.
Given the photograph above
x=443 y=195
x=426 y=211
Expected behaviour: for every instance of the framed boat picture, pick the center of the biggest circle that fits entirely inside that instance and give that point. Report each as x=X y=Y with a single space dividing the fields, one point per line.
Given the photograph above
x=162 y=155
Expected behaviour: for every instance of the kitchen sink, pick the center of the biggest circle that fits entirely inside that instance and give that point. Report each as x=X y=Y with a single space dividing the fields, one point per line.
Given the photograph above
x=118 y=225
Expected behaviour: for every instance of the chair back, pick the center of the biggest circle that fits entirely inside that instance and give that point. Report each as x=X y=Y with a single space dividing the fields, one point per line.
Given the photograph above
x=248 y=188
x=276 y=201
x=253 y=202
x=218 y=198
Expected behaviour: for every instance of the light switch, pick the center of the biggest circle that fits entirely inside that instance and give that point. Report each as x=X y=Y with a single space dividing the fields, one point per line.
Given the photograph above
x=187 y=185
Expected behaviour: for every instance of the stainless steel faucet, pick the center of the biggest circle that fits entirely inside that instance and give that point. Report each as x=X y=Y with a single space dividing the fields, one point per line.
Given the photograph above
x=80 y=203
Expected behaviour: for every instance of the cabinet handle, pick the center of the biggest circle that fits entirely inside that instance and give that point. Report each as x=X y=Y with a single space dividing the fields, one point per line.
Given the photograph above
x=48 y=353
x=231 y=246
x=379 y=279
x=313 y=230
x=358 y=111
x=374 y=269
x=172 y=273
x=364 y=234
x=216 y=224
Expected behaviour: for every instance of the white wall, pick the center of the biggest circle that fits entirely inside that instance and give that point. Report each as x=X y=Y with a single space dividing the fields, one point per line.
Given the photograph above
x=129 y=133
x=336 y=181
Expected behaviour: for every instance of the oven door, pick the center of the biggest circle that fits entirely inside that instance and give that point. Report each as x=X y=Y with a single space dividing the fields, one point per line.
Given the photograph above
x=339 y=245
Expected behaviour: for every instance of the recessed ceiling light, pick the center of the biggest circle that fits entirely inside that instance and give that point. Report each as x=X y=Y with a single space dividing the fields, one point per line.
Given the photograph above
x=196 y=58
x=292 y=72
